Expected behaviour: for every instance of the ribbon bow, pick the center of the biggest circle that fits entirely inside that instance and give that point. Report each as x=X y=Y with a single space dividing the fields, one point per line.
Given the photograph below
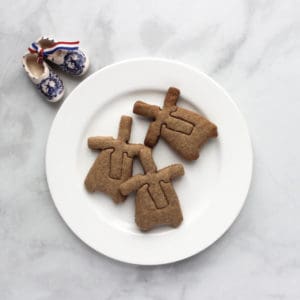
x=42 y=53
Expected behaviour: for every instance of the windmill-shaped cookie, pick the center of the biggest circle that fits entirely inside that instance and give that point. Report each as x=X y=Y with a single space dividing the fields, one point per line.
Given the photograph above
x=185 y=131
x=156 y=200
x=114 y=164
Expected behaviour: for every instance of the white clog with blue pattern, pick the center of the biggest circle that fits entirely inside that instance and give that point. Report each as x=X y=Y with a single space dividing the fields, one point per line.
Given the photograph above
x=66 y=55
x=49 y=84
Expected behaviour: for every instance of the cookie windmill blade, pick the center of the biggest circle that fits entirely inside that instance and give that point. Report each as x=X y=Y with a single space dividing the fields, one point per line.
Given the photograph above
x=147 y=161
x=149 y=111
x=171 y=97
x=117 y=157
x=125 y=129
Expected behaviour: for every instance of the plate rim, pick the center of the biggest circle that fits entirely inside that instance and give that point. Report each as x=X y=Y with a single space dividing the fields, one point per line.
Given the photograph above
x=193 y=69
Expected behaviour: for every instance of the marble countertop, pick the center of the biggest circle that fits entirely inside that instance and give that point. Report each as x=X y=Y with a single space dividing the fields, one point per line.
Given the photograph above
x=252 y=49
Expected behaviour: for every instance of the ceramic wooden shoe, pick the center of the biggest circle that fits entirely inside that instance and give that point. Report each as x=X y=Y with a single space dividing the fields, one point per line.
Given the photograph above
x=66 y=55
x=43 y=77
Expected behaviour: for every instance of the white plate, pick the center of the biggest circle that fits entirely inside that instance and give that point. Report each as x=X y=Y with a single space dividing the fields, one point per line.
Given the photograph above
x=211 y=193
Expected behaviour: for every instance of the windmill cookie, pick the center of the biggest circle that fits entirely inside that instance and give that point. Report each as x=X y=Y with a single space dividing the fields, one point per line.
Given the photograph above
x=185 y=131
x=114 y=164
x=156 y=200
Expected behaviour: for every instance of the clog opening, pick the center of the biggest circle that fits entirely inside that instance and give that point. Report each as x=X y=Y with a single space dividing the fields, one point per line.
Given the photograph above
x=34 y=67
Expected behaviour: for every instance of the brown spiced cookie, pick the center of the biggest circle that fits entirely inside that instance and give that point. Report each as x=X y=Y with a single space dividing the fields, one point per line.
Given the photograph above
x=113 y=165
x=185 y=131
x=156 y=200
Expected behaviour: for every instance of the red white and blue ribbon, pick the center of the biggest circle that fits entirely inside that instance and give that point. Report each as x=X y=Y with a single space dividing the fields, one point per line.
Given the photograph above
x=42 y=53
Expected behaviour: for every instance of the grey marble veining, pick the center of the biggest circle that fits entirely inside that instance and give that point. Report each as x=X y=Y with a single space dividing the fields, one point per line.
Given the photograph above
x=252 y=48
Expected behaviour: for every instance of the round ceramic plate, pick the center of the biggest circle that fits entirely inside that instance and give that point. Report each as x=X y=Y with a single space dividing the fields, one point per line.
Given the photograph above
x=212 y=191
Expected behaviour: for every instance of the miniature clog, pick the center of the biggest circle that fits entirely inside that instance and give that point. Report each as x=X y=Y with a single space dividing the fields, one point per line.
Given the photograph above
x=43 y=77
x=66 y=55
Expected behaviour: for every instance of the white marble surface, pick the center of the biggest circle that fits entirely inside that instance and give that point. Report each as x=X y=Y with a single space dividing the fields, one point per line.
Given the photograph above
x=251 y=48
